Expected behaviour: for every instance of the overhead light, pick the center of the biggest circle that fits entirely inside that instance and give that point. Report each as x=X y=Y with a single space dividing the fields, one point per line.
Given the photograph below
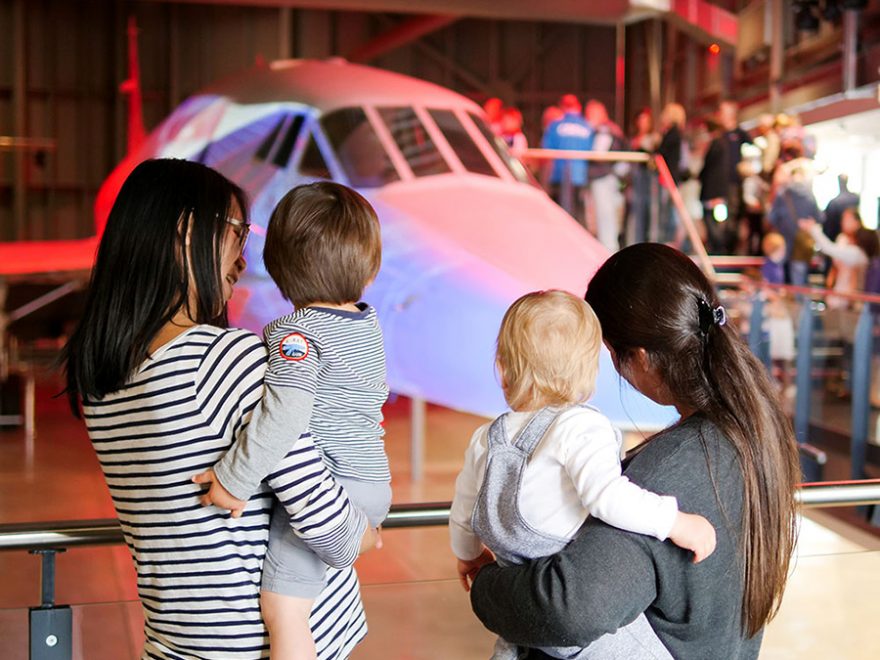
x=804 y=18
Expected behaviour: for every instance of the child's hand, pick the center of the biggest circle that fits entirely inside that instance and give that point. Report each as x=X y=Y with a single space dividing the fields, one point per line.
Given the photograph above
x=371 y=540
x=695 y=533
x=218 y=495
x=468 y=568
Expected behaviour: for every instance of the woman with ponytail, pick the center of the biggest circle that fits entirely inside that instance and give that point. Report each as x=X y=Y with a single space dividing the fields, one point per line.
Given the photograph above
x=731 y=457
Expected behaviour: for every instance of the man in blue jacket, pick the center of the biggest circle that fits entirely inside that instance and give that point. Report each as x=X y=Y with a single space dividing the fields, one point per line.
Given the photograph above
x=567 y=178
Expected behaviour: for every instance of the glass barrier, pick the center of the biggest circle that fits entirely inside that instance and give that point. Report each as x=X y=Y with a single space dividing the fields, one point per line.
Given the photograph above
x=823 y=351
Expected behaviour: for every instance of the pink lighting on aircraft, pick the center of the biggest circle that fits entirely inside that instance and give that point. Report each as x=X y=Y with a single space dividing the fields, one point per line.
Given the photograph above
x=465 y=229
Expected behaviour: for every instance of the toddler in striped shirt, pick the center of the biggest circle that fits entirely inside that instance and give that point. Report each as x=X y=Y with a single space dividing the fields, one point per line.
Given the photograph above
x=326 y=377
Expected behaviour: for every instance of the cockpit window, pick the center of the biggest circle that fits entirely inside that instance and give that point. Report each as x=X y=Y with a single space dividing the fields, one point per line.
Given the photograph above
x=413 y=141
x=358 y=149
x=460 y=141
x=281 y=139
x=517 y=169
x=282 y=156
x=313 y=163
x=265 y=147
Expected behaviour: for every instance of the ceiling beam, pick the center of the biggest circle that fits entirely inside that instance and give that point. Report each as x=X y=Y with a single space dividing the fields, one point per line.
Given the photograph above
x=705 y=21
x=400 y=35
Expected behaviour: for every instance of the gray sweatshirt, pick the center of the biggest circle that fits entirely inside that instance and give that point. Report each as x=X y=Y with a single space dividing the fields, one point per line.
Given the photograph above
x=605 y=577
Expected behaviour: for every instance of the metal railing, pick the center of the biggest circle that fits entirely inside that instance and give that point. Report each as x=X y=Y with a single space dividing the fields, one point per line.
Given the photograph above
x=79 y=533
x=665 y=178
x=51 y=625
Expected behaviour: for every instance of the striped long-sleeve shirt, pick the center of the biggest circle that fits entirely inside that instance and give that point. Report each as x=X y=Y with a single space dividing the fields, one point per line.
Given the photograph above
x=326 y=376
x=198 y=569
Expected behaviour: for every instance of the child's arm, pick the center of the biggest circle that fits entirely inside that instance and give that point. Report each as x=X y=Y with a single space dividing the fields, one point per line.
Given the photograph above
x=465 y=544
x=468 y=568
x=693 y=532
x=277 y=423
x=591 y=458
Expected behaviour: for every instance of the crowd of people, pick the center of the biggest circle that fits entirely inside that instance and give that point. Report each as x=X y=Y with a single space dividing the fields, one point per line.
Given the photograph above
x=751 y=182
x=755 y=194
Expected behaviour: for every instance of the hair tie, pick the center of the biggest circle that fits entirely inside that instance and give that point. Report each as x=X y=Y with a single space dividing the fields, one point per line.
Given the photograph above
x=709 y=316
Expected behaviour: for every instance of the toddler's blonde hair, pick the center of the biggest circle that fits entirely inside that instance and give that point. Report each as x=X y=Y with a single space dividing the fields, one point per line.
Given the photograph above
x=548 y=350
x=772 y=242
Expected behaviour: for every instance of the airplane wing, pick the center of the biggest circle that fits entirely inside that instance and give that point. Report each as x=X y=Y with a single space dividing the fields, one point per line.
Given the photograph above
x=24 y=258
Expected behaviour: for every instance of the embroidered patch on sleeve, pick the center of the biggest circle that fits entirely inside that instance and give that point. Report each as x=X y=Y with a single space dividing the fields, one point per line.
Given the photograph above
x=294 y=347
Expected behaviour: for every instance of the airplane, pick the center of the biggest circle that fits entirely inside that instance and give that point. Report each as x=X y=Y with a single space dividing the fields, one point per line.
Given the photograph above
x=466 y=230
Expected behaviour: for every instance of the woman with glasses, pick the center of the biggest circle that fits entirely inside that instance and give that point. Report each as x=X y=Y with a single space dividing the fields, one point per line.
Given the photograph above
x=165 y=387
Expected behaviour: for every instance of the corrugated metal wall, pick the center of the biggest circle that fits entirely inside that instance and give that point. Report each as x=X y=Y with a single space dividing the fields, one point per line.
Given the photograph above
x=74 y=57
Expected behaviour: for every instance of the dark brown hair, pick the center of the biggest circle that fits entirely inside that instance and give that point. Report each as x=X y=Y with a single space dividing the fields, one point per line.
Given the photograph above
x=650 y=296
x=323 y=244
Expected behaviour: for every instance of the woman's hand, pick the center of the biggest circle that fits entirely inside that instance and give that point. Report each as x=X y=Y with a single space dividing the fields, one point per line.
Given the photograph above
x=695 y=533
x=468 y=568
x=218 y=495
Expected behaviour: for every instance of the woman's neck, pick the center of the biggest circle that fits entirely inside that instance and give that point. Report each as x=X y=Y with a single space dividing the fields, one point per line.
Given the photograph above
x=180 y=323
x=685 y=411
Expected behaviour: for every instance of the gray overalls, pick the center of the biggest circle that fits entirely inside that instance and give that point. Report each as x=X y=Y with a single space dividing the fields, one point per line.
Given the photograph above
x=498 y=523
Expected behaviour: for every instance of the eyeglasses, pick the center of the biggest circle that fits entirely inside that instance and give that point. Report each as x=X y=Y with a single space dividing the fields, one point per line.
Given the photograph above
x=243 y=230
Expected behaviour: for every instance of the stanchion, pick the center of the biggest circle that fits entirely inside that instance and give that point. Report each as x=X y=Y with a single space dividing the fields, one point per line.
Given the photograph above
x=811 y=467
x=51 y=626
x=418 y=425
x=861 y=393
x=566 y=190
x=756 y=330
x=804 y=378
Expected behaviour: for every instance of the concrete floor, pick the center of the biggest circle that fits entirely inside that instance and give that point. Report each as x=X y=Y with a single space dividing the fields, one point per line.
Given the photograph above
x=415 y=606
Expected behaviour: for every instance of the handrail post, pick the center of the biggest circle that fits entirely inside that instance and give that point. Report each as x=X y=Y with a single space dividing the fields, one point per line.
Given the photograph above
x=804 y=376
x=654 y=220
x=566 y=191
x=50 y=625
x=418 y=427
x=756 y=330
x=804 y=369
x=861 y=391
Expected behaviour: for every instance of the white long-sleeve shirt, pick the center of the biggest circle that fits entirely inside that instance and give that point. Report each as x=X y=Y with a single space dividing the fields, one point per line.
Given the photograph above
x=574 y=472
x=849 y=260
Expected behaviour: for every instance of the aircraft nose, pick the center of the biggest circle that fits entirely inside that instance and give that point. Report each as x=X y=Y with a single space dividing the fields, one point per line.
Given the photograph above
x=514 y=228
x=448 y=276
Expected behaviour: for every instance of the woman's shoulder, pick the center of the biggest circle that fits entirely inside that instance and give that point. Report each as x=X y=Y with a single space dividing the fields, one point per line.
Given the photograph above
x=224 y=338
x=694 y=433
x=688 y=448
x=229 y=345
